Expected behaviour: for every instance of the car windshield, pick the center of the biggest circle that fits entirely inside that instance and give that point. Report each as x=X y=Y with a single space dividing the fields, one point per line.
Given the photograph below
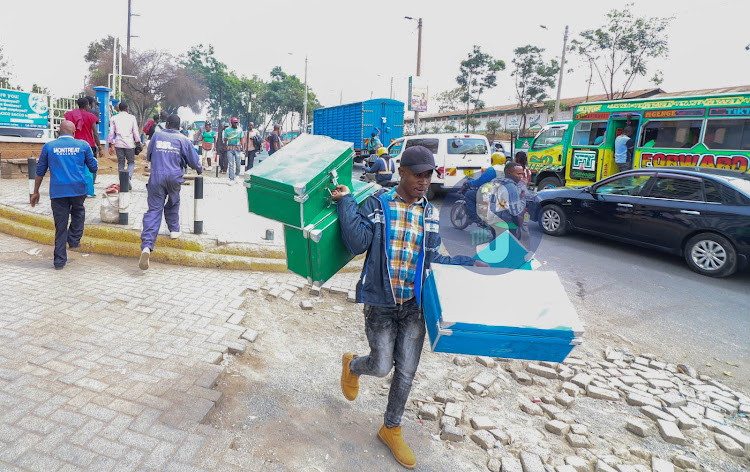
x=467 y=146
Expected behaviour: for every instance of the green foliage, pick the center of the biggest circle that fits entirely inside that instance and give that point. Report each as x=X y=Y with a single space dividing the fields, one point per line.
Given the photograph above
x=533 y=78
x=493 y=127
x=619 y=51
x=478 y=73
x=95 y=51
x=450 y=100
x=450 y=129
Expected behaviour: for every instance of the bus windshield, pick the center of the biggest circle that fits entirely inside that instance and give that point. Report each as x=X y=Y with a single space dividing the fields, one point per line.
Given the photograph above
x=549 y=137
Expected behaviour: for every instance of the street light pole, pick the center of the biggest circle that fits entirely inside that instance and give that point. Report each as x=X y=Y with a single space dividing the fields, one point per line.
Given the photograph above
x=560 y=78
x=304 y=104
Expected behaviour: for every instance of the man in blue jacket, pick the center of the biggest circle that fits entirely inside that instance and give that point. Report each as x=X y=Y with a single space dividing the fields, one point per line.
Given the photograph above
x=66 y=158
x=399 y=230
x=168 y=151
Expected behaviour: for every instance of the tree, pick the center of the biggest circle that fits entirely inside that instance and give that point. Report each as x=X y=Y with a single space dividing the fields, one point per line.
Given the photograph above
x=492 y=128
x=450 y=129
x=477 y=73
x=620 y=50
x=533 y=77
x=450 y=100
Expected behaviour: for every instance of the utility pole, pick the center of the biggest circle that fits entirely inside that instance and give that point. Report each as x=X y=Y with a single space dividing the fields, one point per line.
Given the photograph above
x=560 y=78
x=130 y=15
x=304 y=104
x=391 y=87
x=419 y=70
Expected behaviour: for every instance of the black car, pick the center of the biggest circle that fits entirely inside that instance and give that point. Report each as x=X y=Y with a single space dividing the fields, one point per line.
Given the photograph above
x=699 y=213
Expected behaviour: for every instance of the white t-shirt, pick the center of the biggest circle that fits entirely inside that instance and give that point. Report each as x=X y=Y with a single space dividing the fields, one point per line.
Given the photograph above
x=250 y=134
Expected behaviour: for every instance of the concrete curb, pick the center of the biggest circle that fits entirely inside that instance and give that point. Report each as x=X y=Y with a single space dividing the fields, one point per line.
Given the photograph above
x=110 y=241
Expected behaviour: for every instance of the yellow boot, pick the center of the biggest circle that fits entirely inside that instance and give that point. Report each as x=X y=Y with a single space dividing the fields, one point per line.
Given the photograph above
x=395 y=442
x=349 y=381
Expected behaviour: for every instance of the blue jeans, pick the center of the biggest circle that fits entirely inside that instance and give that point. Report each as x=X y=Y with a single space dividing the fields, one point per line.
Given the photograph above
x=396 y=335
x=235 y=159
x=470 y=197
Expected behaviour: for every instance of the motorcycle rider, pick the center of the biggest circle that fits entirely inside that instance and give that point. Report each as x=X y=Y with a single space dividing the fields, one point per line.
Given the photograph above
x=496 y=171
x=382 y=169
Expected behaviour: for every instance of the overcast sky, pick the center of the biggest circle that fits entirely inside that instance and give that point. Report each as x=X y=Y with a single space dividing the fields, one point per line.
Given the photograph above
x=355 y=47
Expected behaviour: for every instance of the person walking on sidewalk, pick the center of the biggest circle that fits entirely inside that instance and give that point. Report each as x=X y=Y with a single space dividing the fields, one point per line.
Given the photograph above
x=234 y=141
x=123 y=134
x=221 y=147
x=66 y=158
x=167 y=152
x=206 y=138
x=252 y=143
x=398 y=228
x=274 y=140
x=86 y=129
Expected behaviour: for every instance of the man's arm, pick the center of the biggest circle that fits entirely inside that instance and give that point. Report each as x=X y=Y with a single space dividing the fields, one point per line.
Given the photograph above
x=487 y=176
x=96 y=134
x=449 y=260
x=150 y=149
x=41 y=169
x=88 y=159
x=376 y=167
x=192 y=157
x=356 y=228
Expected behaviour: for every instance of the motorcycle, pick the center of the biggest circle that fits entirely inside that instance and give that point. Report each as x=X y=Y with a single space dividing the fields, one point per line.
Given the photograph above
x=460 y=217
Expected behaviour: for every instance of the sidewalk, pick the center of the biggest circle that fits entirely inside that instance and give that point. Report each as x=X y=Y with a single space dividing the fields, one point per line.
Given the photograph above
x=226 y=218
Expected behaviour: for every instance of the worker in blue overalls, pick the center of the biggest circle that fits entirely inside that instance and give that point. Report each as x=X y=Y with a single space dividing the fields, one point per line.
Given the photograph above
x=168 y=151
x=382 y=169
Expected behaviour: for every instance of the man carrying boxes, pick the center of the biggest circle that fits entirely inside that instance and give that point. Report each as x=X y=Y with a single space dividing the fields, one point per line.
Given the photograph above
x=399 y=231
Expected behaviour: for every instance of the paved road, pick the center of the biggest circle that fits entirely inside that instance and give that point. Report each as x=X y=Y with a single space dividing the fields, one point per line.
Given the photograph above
x=650 y=299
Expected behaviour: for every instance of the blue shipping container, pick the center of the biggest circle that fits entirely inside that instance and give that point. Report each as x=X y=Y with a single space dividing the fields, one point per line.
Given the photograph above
x=355 y=122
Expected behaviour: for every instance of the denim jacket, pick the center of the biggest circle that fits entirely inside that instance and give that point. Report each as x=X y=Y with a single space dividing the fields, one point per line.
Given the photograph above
x=365 y=229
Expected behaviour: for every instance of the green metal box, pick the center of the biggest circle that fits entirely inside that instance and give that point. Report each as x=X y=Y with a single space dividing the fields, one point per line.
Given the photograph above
x=294 y=185
x=317 y=252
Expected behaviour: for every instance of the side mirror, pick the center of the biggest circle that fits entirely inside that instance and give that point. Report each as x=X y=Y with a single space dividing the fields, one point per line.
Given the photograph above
x=589 y=190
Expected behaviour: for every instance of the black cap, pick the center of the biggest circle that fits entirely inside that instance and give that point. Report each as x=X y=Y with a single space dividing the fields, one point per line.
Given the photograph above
x=418 y=159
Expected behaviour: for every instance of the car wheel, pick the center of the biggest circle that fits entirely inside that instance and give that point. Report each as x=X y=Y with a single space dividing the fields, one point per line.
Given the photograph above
x=547 y=183
x=553 y=220
x=459 y=217
x=711 y=254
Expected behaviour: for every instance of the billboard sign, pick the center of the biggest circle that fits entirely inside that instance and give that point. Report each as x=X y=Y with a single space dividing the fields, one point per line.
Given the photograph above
x=23 y=110
x=417 y=94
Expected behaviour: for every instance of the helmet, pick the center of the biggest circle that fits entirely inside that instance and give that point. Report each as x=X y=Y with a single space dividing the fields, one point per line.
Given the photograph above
x=382 y=150
x=234 y=120
x=498 y=159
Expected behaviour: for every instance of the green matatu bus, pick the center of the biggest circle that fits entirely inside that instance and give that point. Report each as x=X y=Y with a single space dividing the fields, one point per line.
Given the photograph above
x=705 y=131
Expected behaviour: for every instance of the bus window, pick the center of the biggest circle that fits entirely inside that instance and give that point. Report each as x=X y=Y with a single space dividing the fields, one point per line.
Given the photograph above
x=727 y=134
x=587 y=132
x=547 y=138
x=682 y=134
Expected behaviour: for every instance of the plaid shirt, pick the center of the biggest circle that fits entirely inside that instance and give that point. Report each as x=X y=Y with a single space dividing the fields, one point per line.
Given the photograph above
x=405 y=234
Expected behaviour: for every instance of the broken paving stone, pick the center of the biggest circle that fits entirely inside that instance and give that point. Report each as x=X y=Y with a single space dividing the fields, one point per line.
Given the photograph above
x=522 y=377
x=531 y=408
x=429 y=412
x=579 y=464
x=564 y=417
x=445 y=396
x=557 y=427
x=565 y=468
x=636 y=399
x=657 y=414
x=511 y=464
x=485 y=361
x=565 y=400
x=531 y=462
x=448 y=420
x=565 y=375
x=686 y=462
x=501 y=435
x=250 y=335
x=579 y=429
x=485 y=379
x=494 y=465
x=541 y=371
x=602 y=393
x=728 y=445
x=306 y=305
x=713 y=415
x=474 y=388
x=578 y=440
x=741 y=439
x=548 y=399
x=570 y=388
x=454 y=410
x=671 y=433
x=602 y=466
x=642 y=360
x=660 y=465
x=451 y=433
x=461 y=361
x=274 y=292
x=482 y=422
x=550 y=410
x=582 y=380
x=631 y=380
x=640 y=453
x=484 y=439
x=638 y=427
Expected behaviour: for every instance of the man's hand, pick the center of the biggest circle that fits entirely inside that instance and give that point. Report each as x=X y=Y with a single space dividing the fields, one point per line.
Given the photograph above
x=34 y=199
x=111 y=150
x=480 y=264
x=339 y=192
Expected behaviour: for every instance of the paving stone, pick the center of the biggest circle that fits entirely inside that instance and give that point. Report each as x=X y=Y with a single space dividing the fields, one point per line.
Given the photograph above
x=451 y=433
x=557 y=427
x=485 y=361
x=578 y=440
x=738 y=437
x=570 y=388
x=638 y=427
x=448 y=420
x=531 y=462
x=485 y=379
x=482 y=422
x=475 y=388
x=250 y=335
x=686 y=462
x=484 y=439
x=429 y=412
x=661 y=465
x=461 y=361
x=581 y=429
x=565 y=374
x=564 y=417
x=501 y=435
x=565 y=400
x=582 y=380
x=602 y=466
x=602 y=393
x=531 y=408
x=511 y=464
x=541 y=371
x=550 y=410
x=657 y=414
x=670 y=432
x=636 y=399
x=494 y=465
x=714 y=415
x=454 y=410
x=728 y=445
x=445 y=396
x=522 y=377
x=306 y=305
x=579 y=464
